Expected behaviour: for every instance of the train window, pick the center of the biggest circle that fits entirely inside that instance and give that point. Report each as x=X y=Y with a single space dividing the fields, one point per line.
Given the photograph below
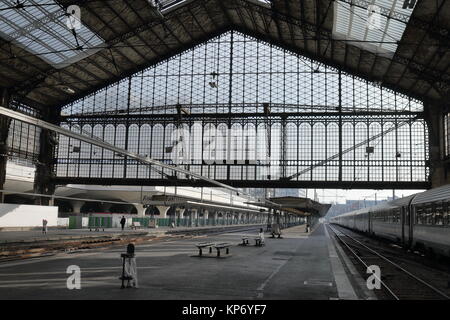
x=446 y=213
x=438 y=215
x=416 y=216
x=419 y=215
x=397 y=216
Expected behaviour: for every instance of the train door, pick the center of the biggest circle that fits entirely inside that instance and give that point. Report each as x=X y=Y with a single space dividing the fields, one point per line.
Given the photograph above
x=403 y=222
x=407 y=226
x=410 y=225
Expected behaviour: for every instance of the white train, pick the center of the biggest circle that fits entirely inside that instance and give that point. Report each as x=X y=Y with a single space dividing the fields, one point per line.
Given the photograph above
x=420 y=221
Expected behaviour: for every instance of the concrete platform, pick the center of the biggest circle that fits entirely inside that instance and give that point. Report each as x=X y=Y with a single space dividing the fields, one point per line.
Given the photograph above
x=299 y=266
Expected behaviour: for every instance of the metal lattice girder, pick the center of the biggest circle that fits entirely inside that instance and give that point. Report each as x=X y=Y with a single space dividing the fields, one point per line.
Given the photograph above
x=196 y=110
x=281 y=183
x=102 y=144
x=358 y=145
x=275 y=117
x=144 y=112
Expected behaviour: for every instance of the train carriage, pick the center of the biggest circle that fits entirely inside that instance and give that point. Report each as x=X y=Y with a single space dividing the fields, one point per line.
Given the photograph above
x=419 y=221
x=431 y=220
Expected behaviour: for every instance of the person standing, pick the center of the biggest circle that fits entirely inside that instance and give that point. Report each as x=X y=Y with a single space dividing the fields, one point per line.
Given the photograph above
x=122 y=222
x=44 y=226
x=131 y=267
x=261 y=236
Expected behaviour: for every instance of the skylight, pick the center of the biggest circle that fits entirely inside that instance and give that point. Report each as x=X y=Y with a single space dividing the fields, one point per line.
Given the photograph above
x=377 y=31
x=167 y=5
x=42 y=30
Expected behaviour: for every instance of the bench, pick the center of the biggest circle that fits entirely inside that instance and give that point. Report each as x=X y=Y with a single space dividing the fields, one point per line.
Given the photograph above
x=135 y=225
x=259 y=242
x=96 y=228
x=202 y=245
x=245 y=241
x=220 y=246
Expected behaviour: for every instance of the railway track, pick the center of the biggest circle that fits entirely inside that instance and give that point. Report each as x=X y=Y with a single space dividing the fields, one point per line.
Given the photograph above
x=396 y=282
x=26 y=250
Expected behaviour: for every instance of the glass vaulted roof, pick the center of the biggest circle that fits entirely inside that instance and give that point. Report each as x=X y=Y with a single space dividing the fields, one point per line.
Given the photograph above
x=375 y=25
x=40 y=28
x=167 y=5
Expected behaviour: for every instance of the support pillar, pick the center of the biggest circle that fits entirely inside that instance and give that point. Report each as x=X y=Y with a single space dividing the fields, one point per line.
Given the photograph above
x=439 y=167
x=270 y=216
x=5 y=123
x=206 y=217
x=76 y=206
x=179 y=212
x=211 y=218
x=140 y=210
x=277 y=216
x=202 y=215
x=43 y=183
x=163 y=211
x=194 y=217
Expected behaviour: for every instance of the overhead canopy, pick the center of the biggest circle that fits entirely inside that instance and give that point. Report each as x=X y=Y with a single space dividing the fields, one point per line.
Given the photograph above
x=297 y=205
x=166 y=200
x=48 y=65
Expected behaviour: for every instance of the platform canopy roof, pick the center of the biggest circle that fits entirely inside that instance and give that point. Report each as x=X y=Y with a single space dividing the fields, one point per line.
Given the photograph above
x=46 y=64
x=296 y=205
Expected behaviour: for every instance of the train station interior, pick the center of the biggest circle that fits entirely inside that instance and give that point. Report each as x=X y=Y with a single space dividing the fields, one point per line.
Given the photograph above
x=224 y=150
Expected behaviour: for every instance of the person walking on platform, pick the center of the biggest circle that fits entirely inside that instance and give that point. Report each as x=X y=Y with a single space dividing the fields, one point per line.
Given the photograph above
x=44 y=226
x=122 y=222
